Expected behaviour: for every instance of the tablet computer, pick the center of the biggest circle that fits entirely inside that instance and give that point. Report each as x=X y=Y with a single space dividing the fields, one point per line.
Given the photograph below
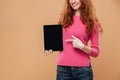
x=53 y=37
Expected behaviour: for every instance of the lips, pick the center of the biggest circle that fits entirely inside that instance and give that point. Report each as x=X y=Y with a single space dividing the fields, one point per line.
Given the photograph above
x=74 y=4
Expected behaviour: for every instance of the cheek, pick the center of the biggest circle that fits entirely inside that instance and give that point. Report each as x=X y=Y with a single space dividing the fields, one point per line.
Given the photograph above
x=79 y=4
x=70 y=1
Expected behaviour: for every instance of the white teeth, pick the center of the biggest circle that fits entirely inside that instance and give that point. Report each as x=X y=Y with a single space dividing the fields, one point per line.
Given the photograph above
x=74 y=4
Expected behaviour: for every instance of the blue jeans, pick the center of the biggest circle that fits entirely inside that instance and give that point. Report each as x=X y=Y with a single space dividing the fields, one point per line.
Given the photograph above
x=74 y=73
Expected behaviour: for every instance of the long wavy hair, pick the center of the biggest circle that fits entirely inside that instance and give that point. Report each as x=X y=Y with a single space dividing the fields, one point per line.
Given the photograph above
x=87 y=14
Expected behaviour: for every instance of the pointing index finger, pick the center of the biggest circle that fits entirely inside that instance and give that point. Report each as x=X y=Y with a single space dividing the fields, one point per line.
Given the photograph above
x=69 y=40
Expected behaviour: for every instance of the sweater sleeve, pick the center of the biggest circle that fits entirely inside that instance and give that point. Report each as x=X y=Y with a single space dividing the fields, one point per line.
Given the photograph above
x=95 y=42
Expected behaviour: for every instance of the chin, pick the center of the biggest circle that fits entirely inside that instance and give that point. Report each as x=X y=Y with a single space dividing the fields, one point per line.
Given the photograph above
x=75 y=8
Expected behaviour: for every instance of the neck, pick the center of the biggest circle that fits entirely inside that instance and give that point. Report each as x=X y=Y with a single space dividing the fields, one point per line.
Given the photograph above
x=77 y=13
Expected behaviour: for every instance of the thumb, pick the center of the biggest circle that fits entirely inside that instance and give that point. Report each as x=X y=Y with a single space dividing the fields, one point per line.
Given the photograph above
x=74 y=37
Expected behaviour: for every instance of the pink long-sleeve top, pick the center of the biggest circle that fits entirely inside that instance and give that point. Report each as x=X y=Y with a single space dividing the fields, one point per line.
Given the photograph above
x=71 y=56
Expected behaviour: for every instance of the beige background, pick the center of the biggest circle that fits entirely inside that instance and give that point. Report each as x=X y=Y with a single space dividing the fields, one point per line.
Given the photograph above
x=21 y=39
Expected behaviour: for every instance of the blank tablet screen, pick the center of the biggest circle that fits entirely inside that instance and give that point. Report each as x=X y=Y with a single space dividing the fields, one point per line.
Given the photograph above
x=53 y=37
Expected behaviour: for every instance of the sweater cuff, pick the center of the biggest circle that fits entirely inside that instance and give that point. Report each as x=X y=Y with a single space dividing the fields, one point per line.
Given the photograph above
x=94 y=52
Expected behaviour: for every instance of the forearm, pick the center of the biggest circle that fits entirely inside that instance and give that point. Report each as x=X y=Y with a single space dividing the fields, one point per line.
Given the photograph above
x=94 y=52
x=77 y=43
x=86 y=49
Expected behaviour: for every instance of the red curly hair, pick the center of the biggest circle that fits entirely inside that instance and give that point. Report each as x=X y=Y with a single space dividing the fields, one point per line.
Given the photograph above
x=87 y=14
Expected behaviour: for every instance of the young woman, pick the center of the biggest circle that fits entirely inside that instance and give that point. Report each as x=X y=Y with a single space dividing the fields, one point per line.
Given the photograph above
x=80 y=25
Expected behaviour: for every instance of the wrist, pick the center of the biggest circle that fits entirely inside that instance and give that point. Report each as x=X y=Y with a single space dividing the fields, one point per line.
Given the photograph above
x=86 y=49
x=82 y=47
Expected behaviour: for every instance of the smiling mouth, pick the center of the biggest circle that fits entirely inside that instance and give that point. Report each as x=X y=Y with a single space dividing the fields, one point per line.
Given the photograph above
x=74 y=5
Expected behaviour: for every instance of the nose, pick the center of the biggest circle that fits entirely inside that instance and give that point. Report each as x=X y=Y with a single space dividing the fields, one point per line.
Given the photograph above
x=73 y=1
